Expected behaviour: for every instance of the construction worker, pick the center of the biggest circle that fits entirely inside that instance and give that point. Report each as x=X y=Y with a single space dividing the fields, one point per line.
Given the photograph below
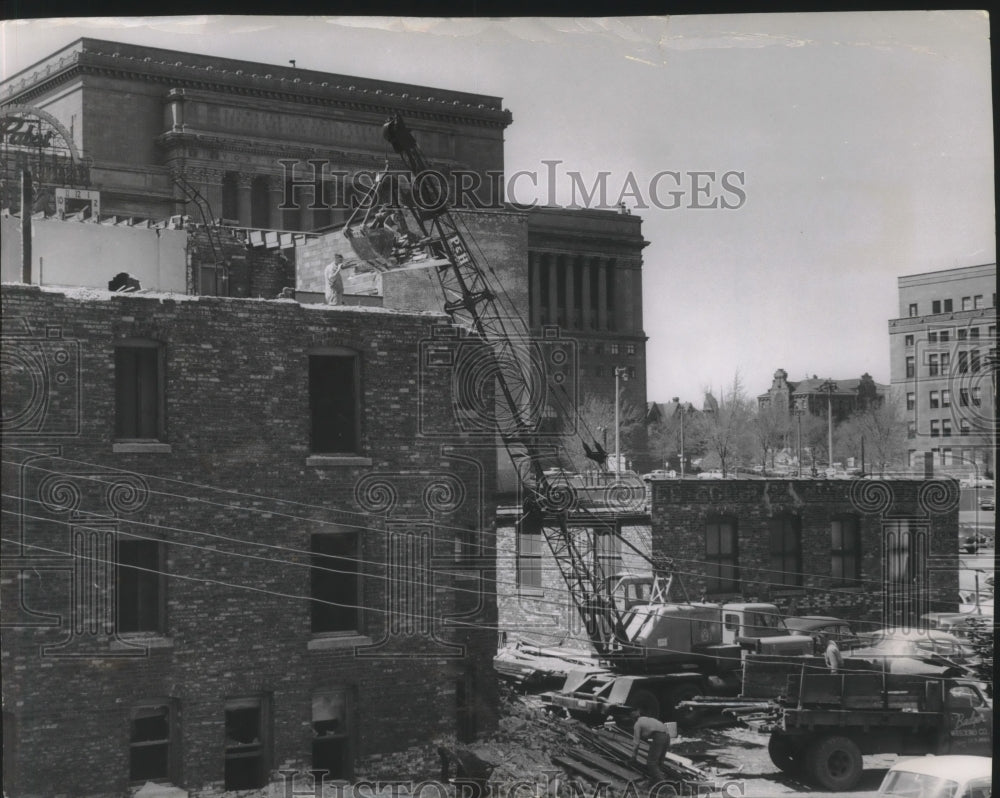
x=656 y=734
x=334 y=281
x=834 y=659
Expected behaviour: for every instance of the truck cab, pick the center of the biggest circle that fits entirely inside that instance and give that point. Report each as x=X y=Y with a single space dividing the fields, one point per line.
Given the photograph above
x=760 y=628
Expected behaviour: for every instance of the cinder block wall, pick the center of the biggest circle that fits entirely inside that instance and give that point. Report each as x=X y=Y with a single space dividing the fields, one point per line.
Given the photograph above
x=234 y=502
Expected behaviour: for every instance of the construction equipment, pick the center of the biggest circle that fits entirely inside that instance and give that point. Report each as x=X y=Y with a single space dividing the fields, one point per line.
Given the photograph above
x=654 y=653
x=823 y=723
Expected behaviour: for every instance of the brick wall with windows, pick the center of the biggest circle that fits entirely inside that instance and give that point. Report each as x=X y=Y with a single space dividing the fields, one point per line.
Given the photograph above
x=805 y=545
x=243 y=601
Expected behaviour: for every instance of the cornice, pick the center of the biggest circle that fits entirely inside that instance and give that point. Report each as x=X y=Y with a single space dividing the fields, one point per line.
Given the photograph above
x=269 y=83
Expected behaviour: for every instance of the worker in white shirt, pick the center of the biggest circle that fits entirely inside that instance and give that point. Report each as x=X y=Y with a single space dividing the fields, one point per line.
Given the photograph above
x=656 y=734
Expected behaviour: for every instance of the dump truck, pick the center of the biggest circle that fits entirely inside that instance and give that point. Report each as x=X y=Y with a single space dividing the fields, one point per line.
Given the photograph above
x=824 y=723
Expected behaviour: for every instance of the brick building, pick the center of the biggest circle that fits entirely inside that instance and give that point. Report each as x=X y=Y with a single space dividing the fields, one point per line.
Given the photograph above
x=881 y=551
x=166 y=133
x=218 y=559
x=816 y=395
x=943 y=363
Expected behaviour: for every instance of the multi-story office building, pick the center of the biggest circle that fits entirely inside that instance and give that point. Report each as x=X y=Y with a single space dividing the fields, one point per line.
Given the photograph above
x=943 y=349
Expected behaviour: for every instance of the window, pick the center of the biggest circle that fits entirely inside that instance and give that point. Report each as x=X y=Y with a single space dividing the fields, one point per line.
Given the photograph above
x=230 y=197
x=247 y=743
x=963 y=397
x=948 y=304
x=935 y=402
x=213 y=279
x=963 y=362
x=911 y=430
x=932 y=365
x=963 y=427
x=529 y=555
x=910 y=366
x=908 y=340
x=932 y=337
x=139 y=588
x=974 y=361
x=613 y=349
x=944 y=336
x=786 y=551
x=966 y=303
x=977 y=301
x=977 y=396
x=946 y=428
x=139 y=401
x=945 y=398
x=991 y=332
x=333 y=403
x=936 y=306
x=946 y=457
x=149 y=742
x=945 y=362
x=911 y=401
x=721 y=570
x=973 y=333
x=335 y=583
x=935 y=428
x=629 y=349
x=913 y=309
x=963 y=334
x=845 y=551
x=332 y=726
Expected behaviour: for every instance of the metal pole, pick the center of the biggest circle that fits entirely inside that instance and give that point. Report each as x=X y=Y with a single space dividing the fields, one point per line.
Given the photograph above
x=798 y=418
x=618 y=456
x=830 y=427
x=26 y=204
x=682 y=443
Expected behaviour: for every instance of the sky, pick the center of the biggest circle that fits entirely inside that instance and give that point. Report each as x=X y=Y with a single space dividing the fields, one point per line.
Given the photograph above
x=860 y=146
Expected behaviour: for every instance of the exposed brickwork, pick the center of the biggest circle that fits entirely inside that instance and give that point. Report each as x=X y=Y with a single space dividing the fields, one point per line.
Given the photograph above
x=253 y=272
x=681 y=509
x=234 y=502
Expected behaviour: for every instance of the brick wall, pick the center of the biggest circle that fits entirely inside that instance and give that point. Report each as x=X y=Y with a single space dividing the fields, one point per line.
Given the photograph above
x=232 y=495
x=681 y=509
x=253 y=272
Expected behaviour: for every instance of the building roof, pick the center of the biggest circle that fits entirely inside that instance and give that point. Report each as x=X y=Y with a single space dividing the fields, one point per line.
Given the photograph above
x=813 y=385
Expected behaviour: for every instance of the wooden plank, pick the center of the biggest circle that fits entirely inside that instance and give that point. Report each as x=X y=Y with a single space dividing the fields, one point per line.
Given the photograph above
x=582 y=769
x=600 y=762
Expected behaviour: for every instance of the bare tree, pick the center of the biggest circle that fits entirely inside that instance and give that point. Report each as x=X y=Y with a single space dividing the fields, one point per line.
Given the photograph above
x=879 y=429
x=726 y=427
x=665 y=436
x=769 y=425
x=596 y=424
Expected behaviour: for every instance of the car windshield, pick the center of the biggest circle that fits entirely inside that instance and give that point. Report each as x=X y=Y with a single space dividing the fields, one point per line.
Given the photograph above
x=917 y=785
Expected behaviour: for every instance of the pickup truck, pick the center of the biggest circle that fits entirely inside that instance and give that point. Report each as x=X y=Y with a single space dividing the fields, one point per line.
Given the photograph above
x=824 y=723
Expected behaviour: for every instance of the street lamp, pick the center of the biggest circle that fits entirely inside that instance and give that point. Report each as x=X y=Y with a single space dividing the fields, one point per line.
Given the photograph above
x=798 y=410
x=829 y=386
x=620 y=374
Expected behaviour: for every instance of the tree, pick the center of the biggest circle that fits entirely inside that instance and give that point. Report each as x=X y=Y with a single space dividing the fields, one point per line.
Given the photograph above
x=596 y=415
x=881 y=430
x=665 y=435
x=769 y=425
x=726 y=428
x=815 y=441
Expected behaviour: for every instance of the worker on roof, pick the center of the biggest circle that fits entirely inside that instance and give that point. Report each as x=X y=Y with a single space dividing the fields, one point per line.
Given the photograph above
x=334 y=281
x=656 y=734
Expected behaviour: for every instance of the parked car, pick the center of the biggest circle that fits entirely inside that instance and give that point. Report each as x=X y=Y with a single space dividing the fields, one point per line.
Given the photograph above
x=821 y=628
x=976 y=482
x=989 y=503
x=916 y=643
x=972 y=543
x=951 y=776
x=659 y=473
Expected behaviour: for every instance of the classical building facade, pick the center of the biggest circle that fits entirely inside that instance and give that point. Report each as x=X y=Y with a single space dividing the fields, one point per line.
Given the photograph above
x=219 y=561
x=943 y=350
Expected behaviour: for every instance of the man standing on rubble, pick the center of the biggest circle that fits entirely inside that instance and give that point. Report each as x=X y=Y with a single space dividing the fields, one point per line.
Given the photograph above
x=334 y=281
x=656 y=734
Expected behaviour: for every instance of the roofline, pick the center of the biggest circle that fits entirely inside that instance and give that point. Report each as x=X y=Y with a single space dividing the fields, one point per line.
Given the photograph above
x=946 y=271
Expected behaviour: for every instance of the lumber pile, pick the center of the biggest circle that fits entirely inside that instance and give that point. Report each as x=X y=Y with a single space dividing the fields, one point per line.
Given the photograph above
x=531 y=666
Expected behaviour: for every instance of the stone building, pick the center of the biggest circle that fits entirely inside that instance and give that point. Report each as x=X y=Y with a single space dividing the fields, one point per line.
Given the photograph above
x=814 y=395
x=880 y=551
x=943 y=361
x=219 y=560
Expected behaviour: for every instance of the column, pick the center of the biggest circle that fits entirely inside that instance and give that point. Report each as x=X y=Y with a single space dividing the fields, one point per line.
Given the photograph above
x=602 y=295
x=570 y=293
x=276 y=190
x=243 y=198
x=535 y=289
x=585 y=311
x=553 y=289
x=613 y=298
